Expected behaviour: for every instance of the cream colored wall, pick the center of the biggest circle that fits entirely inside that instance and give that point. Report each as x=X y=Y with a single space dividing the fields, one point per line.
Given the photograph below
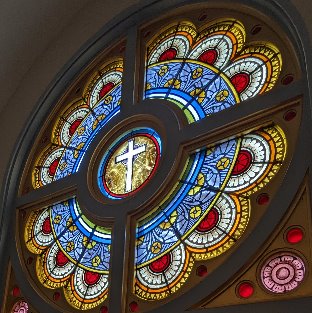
x=37 y=37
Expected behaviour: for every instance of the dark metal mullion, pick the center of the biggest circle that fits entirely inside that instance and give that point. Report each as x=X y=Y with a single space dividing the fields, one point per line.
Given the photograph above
x=64 y=119
x=250 y=107
x=82 y=303
x=180 y=239
x=93 y=113
x=50 y=191
x=118 y=267
x=130 y=71
x=226 y=233
x=165 y=277
x=182 y=65
x=223 y=36
x=179 y=71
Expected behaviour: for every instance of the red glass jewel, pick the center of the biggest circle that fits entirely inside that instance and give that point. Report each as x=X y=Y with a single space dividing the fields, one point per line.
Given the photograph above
x=201 y=271
x=240 y=81
x=16 y=292
x=242 y=163
x=46 y=226
x=56 y=296
x=209 y=221
x=169 y=54
x=245 y=290
x=287 y=79
x=134 y=307
x=74 y=126
x=210 y=56
x=53 y=167
x=105 y=89
x=61 y=259
x=294 y=235
x=289 y=115
x=91 y=278
x=263 y=199
x=161 y=264
x=104 y=309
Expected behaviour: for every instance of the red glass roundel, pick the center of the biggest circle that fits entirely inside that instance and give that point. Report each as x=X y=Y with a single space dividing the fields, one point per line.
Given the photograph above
x=105 y=89
x=240 y=81
x=202 y=270
x=168 y=55
x=161 y=264
x=53 y=167
x=294 y=235
x=61 y=258
x=91 y=278
x=245 y=290
x=210 y=56
x=242 y=163
x=209 y=221
x=46 y=226
x=16 y=292
x=74 y=126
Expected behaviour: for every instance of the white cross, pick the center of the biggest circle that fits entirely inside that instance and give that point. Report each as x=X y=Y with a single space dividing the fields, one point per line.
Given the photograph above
x=129 y=157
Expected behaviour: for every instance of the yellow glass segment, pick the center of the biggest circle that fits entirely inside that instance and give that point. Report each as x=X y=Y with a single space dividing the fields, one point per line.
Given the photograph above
x=130 y=165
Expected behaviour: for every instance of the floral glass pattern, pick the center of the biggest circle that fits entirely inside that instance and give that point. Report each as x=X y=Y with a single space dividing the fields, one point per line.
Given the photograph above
x=208 y=208
x=206 y=212
x=79 y=124
x=72 y=252
x=204 y=72
x=208 y=71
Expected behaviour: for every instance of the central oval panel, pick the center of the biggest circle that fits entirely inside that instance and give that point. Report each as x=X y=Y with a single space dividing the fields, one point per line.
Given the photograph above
x=129 y=163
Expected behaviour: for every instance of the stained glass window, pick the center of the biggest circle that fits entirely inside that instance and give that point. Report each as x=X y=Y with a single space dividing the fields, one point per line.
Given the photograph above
x=78 y=125
x=73 y=252
x=206 y=212
x=146 y=197
x=204 y=72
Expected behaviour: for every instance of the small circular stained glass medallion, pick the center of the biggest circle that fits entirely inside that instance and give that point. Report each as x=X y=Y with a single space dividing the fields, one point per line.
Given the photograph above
x=129 y=163
x=282 y=272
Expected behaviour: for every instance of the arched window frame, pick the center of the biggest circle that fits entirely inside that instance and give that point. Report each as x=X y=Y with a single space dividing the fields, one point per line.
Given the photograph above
x=297 y=169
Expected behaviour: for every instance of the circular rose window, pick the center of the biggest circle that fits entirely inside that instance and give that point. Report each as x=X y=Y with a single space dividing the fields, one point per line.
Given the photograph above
x=137 y=181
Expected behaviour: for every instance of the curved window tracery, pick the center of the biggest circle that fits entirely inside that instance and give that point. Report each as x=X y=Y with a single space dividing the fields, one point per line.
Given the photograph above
x=77 y=127
x=72 y=252
x=204 y=72
x=208 y=206
x=206 y=212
